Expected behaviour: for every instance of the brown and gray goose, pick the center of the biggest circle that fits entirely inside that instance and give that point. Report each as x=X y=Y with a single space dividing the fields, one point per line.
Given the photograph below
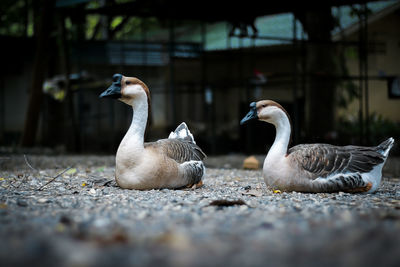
x=167 y=163
x=316 y=167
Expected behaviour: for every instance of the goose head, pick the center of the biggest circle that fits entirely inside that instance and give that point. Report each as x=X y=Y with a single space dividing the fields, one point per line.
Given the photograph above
x=266 y=110
x=127 y=89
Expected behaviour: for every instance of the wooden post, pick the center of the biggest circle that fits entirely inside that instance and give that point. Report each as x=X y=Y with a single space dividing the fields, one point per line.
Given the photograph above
x=45 y=16
x=320 y=91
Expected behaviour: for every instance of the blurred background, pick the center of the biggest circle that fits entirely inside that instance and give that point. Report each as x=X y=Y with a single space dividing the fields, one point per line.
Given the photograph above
x=334 y=65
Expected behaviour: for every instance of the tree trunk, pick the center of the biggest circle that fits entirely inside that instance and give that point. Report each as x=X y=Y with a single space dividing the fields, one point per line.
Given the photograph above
x=45 y=14
x=321 y=67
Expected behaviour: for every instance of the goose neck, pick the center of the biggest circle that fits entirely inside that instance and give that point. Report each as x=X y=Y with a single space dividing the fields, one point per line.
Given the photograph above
x=282 y=138
x=135 y=133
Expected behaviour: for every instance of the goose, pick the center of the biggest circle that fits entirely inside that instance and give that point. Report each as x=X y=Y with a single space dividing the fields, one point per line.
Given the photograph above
x=316 y=168
x=175 y=162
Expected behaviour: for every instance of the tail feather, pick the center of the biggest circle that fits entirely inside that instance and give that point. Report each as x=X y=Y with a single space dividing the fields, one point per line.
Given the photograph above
x=385 y=146
x=182 y=132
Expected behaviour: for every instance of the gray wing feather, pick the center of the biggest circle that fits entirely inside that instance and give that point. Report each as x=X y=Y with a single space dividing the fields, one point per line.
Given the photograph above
x=323 y=160
x=179 y=150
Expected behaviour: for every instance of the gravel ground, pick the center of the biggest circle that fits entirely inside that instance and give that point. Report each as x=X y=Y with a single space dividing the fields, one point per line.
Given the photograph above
x=54 y=216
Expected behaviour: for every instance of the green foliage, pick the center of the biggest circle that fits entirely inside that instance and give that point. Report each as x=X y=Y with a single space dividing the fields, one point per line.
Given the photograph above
x=380 y=128
x=347 y=90
x=115 y=22
x=16 y=18
x=358 y=11
x=133 y=28
x=346 y=93
x=351 y=53
x=91 y=22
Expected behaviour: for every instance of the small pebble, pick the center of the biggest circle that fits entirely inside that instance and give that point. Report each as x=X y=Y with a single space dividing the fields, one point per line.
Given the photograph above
x=43 y=200
x=22 y=202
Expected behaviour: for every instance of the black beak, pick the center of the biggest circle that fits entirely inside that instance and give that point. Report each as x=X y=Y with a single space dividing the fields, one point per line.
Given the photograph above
x=114 y=91
x=251 y=115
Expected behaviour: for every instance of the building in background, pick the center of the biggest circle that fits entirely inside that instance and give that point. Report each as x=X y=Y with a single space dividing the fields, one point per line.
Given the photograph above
x=205 y=74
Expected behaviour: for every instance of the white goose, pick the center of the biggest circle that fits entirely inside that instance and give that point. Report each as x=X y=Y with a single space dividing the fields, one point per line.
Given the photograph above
x=167 y=163
x=316 y=167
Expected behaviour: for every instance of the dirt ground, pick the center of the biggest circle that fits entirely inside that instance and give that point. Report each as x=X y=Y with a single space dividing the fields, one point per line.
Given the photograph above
x=68 y=211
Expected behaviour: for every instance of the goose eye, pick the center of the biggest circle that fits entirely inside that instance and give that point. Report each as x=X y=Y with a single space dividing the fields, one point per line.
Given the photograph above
x=263 y=105
x=128 y=82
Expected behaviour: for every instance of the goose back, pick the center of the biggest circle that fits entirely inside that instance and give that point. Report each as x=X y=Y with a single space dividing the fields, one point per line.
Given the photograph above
x=177 y=149
x=323 y=160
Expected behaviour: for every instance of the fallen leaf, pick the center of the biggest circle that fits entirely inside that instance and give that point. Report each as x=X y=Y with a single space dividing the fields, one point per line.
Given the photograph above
x=227 y=203
x=108 y=182
x=177 y=241
x=195 y=186
x=2 y=179
x=71 y=171
x=253 y=192
x=277 y=191
x=118 y=237
x=251 y=163
x=60 y=228
x=84 y=184
x=99 y=181
x=100 y=169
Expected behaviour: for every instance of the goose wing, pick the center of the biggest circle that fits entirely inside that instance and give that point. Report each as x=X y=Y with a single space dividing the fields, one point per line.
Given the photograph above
x=323 y=160
x=178 y=149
